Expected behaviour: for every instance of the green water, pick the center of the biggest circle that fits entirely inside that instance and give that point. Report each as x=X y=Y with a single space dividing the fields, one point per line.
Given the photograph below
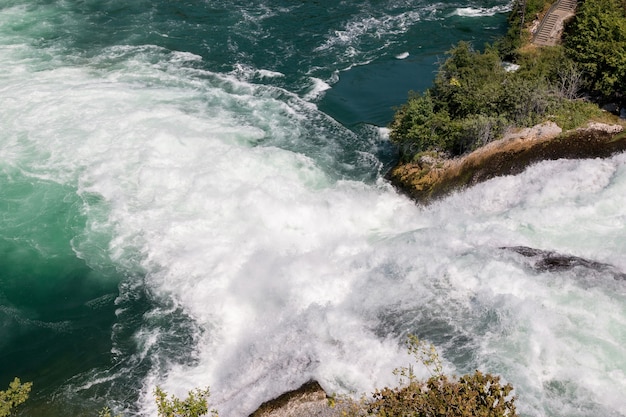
x=56 y=311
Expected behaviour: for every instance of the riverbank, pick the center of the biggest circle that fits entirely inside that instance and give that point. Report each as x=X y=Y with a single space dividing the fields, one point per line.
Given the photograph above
x=430 y=176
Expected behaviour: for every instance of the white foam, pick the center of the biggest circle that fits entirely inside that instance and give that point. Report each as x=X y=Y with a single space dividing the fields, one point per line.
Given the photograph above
x=249 y=73
x=347 y=44
x=481 y=11
x=231 y=233
x=403 y=55
x=290 y=271
x=317 y=89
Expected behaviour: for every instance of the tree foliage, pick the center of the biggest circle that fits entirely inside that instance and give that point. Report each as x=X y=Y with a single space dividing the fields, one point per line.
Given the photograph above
x=16 y=394
x=468 y=82
x=474 y=99
x=596 y=40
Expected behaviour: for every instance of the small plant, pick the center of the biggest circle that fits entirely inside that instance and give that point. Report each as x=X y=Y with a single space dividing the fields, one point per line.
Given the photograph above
x=195 y=405
x=16 y=394
x=106 y=412
x=472 y=395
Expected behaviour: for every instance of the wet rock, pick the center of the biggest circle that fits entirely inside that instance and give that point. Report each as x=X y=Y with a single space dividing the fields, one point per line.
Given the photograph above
x=424 y=181
x=549 y=261
x=310 y=400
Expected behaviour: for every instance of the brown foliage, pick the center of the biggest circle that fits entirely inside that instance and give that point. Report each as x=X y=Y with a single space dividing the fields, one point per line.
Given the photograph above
x=475 y=395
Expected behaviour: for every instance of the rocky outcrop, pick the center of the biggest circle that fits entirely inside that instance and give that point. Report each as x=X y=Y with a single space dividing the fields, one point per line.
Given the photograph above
x=549 y=261
x=310 y=400
x=430 y=177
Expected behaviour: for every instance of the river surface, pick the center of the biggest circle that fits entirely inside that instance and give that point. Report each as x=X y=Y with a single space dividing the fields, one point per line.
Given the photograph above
x=192 y=194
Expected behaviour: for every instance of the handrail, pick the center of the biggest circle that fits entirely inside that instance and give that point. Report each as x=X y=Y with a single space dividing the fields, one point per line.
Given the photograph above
x=551 y=11
x=545 y=18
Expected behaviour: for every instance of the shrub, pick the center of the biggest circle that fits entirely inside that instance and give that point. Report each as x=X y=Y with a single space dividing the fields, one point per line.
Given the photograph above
x=569 y=114
x=473 y=100
x=416 y=126
x=472 y=395
x=462 y=111
x=475 y=395
x=476 y=131
x=106 y=412
x=596 y=40
x=469 y=82
x=195 y=405
x=13 y=396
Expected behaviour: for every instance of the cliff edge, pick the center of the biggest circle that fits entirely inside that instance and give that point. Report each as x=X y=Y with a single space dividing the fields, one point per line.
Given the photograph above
x=430 y=177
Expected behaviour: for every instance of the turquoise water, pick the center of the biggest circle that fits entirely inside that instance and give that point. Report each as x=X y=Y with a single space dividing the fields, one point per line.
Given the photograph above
x=192 y=194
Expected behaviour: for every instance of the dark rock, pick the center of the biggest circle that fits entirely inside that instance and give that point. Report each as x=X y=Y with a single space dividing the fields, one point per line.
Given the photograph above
x=548 y=261
x=611 y=108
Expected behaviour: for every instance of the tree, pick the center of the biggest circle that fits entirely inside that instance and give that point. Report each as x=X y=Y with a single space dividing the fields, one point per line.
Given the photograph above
x=469 y=82
x=417 y=127
x=13 y=396
x=596 y=40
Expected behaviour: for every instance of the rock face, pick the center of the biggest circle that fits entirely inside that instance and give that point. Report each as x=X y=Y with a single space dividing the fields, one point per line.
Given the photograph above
x=430 y=178
x=310 y=400
x=549 y=261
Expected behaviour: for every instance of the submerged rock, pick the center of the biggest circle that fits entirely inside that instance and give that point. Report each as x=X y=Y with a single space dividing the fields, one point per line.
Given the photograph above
x=424 y=180
x=549 y=261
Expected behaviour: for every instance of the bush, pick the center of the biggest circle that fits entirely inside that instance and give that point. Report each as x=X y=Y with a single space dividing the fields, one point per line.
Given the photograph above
x=472 y=395
x=475 y=395
x=16 y=394
x=469 y=82
x=462 y=111
x=416 y=126
x=596 y=40
x=570 y=114
x=476 y=131
x=474 y=100
x=195 y=405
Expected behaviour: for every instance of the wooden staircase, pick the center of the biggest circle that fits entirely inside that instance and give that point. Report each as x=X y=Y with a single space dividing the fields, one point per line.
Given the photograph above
x=549 y=31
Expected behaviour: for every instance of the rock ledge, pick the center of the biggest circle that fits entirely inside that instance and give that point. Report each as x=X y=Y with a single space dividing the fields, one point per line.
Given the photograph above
x=310 y=400
x=430 y=177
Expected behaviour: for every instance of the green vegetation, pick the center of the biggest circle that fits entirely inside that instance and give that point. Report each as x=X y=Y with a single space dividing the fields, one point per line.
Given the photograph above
x=106 y=412
x=195 y=405
x=523 y=11
x=596 y=40
x=474 y=98
x=13 y=396
x=472 y=395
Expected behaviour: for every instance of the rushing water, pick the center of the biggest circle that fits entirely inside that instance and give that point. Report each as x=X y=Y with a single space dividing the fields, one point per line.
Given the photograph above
x=191 y=194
